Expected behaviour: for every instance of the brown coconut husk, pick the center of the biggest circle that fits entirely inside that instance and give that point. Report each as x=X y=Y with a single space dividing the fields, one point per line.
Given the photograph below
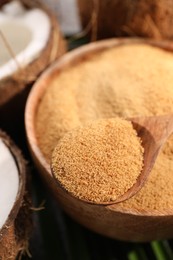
x=145 y=18
x=15 y=232
x=14 y=89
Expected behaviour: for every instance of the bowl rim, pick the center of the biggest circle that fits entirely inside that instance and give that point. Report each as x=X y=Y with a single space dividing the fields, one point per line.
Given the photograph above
x=73 y=57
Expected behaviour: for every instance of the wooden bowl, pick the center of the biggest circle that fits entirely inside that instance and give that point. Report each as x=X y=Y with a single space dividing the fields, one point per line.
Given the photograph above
x=112 y=220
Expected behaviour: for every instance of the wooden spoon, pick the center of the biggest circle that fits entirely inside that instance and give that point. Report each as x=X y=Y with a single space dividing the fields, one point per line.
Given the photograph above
x=153 y=132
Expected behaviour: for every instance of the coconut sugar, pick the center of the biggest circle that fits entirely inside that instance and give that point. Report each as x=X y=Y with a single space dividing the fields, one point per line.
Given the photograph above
x=125 y=81
x=100 y=161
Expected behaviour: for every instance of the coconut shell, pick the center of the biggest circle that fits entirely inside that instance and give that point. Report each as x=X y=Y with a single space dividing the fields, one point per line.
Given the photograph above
x=14 y=89
x=143 y=18
x=15 y=232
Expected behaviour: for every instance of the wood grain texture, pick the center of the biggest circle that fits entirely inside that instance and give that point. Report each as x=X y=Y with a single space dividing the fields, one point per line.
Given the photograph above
x=154 y=132
x=112 y=220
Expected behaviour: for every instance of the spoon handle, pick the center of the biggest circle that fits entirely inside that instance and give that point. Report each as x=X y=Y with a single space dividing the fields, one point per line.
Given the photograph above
x=154 y=132
x=160 y=127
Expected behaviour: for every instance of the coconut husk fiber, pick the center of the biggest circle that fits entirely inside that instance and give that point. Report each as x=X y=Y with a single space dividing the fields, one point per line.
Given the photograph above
x=15 y=232
x=14 y=89
x=145 y=18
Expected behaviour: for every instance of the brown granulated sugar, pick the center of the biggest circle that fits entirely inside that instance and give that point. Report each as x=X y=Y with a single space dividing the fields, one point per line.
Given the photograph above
x=126 y=81
x=100 y=161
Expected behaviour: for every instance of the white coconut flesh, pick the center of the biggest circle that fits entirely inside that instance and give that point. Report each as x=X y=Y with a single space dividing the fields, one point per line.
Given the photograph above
x=9 y=182
x=26 y=33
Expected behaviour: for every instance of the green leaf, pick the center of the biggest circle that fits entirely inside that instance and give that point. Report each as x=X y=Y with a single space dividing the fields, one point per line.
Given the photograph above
x=158 y=250
x=133 y=256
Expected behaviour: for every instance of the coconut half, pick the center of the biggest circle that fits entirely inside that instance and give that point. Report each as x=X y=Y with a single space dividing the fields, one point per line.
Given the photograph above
x=15 y=221
x=9 y=182
x=30 y=40
x=146 y=18
x=23 y=36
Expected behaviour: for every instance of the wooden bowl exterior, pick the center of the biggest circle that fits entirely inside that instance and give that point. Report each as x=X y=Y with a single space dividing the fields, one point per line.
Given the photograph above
x=112 y=220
